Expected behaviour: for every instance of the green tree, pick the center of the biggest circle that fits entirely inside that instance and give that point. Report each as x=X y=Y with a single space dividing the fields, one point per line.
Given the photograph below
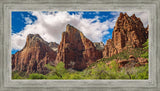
x=57 y=72
x=145 y=48
x=15 y=75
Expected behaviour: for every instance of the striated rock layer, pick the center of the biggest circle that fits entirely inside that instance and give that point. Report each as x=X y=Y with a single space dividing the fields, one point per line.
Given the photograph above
x=75 y=50
x=34 y=56
x=128 y=32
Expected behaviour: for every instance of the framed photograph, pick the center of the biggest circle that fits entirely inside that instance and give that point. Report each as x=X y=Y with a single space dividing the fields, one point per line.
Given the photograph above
x=79 y=45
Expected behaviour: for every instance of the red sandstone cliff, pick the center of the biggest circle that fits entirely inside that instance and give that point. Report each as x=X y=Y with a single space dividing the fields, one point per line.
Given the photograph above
x=128 y=32
x=75 y=50
x=33 y=56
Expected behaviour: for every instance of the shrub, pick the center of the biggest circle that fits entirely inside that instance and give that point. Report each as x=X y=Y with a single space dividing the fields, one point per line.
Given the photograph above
x=136 y=52
x=57 y=72
x=140 y=72
x=15 y=75
x=145 y=55
x=102 y=71
x=145 y=48
x=97 y=71
x=37 y=76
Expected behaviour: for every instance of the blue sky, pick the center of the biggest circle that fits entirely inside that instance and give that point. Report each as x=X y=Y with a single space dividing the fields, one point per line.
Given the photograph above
x=18 y=18
x=96 y=25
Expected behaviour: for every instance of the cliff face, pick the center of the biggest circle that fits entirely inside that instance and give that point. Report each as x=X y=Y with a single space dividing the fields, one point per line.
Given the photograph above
x=75 y=50
x=33 y=56
x=128 y=32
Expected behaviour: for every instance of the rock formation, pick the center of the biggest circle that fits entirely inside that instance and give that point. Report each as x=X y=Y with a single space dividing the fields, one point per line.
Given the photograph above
x=54 y=46
x=34 y=56
x=99 y=45
x=131 y=62
x=75 y=50
x=78 y=52
x=128 y=32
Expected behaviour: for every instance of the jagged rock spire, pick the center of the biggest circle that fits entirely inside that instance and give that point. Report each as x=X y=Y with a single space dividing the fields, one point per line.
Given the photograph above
x=75 y=50
x=128 y=32
x=33 y=57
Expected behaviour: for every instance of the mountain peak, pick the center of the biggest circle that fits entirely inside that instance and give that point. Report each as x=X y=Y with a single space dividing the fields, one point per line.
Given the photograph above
x=122 y=15
x=68 y=25
x=133 y=15
x=75 y=50
x=33 y=35
x=125 y=14
x=70 y=28
x=128 y=32
x=33 y=57
x=34 y=40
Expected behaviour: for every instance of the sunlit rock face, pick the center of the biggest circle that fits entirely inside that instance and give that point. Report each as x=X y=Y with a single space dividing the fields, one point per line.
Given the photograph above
x=128 y=32
x=75 y=50
x=33 y=57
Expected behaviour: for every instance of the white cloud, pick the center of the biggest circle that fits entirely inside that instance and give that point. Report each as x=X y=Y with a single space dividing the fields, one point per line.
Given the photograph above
x=17 y=41
x=115 y=13
x=28 y=20
x=51 y=25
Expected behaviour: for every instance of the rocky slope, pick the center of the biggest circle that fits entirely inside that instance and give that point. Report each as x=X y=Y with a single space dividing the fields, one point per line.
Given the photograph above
x=75 y=50
x=128 y=32
x=131 y=62
x=54 y=46
x=33 y=56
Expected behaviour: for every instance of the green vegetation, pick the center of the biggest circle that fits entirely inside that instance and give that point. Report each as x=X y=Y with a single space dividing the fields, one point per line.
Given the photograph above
x=97 y=70
x=37 y=76
x=139 y=72
x=56 y=72
x=145 y=49
x=136 y=52
x=15 y=75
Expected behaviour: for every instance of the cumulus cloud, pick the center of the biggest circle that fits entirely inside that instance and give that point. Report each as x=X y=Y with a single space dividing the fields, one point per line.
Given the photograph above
x=115 y=13
x=50 y=25
x=28 y=20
